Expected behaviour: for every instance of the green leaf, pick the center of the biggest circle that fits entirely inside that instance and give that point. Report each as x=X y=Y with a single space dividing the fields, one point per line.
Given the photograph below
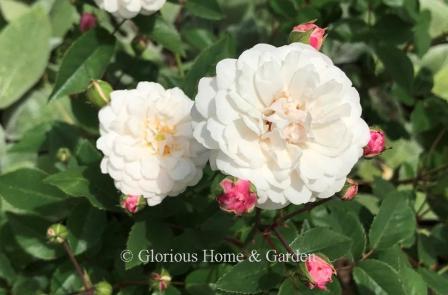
x=394 y=223
x=7 y=272
x=420 y=118
x=376 y=277
x=206 y=63
x=86 y=226
x=394 y=3
x=397 y=65
x=421 y=33
x=395 y=257
x=208 y=9
x=25 y=47
x=84 y=61
x=436 y=58
x=147 y=234
x=285 y=8
x=250 y=278
x=413 y=282
x=167 y=35
x=25 y=190
x=323 y=240
x=137 y=241
x=439 y=11
x=65 y=281
x=12 y=9
x=161 y=32
x=202 y=281
x=440 y=87
x=403 y=151
x=86 y=152
x=349 y=224
x=86 y=182
x=289 y=287
x=35 y=110
x=63 y=16
x=435 y=281
x=30 y=233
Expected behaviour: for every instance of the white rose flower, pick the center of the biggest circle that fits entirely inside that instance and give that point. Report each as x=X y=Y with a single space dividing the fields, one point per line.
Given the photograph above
x=284 y=118
x=130 y=8
x=147 y=141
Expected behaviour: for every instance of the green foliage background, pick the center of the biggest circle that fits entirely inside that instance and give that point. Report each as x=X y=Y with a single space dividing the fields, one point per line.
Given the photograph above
x=392 y=239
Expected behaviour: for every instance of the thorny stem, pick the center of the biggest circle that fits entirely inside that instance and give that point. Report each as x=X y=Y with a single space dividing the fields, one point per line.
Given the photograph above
x=267 y=237
x=179 y=65
x=117 y=28
x=283 y=241
x=85 y=281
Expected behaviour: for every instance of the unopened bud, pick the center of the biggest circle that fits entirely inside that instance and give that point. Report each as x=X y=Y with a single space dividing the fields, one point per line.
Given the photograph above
x=160 y=281
x=308 y=33
x=318 y=271
x=376 y=143
x=103 y=288
x=87 y=22
x=139 y=44
x=238 y=196
x=132 y=204
x=63 y=155
x=98 y=93
x=57 y=233
x=350 y=190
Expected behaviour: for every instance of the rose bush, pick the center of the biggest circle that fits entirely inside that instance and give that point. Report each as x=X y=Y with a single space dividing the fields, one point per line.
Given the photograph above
x=108 y=107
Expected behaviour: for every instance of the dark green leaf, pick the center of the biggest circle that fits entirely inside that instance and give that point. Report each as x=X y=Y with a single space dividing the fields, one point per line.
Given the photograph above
x=86 y=182
x=324 y=240
x=84 y=61
x=250 y=278
x=7 y=272
x=206 y=63
x=25 y=190
x=86 y=226
x=397 y=65
x=208 y=9
x=31 y=234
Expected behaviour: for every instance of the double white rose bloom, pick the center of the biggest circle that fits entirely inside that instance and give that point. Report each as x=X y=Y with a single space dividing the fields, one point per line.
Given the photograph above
x=130 y=8
x=147 y=142
x=284 y=118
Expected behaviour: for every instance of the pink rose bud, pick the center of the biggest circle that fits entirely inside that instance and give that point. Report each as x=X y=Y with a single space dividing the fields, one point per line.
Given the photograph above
x=350 y=190
x=376 y=143
x=238 y=197
x=161 y=281
x=319 y=272
x=87 y=22
x=131 y=203
x=308 y=33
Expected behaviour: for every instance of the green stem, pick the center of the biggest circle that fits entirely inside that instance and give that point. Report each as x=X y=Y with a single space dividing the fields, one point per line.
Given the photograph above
x=180 y=66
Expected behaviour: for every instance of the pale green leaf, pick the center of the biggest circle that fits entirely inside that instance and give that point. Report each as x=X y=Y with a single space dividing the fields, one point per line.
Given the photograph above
x=24 y=51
